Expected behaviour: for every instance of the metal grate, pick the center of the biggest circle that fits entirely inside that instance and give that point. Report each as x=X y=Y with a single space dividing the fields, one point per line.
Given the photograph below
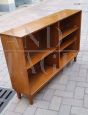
x=5 y=96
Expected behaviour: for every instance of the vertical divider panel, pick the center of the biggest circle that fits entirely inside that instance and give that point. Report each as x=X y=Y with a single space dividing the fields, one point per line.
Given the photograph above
x=53 y=59
x=58 y=47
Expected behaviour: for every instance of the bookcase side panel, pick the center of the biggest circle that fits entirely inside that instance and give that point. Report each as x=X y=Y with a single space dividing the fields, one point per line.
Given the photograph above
x=78 y=21
x=14 y=53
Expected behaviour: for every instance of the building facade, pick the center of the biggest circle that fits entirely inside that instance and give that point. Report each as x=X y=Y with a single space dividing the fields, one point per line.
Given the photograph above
x=10 y=5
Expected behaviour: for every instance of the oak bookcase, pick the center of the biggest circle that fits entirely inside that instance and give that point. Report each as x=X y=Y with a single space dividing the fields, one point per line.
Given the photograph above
x=55 y=42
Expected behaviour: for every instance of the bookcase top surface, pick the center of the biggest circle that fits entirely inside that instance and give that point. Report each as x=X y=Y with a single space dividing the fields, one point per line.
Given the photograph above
x=39 y=24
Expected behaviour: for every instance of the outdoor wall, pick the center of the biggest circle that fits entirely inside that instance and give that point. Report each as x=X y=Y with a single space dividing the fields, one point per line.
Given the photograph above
x=7 y=5
x=21 y=2
x=10 y=5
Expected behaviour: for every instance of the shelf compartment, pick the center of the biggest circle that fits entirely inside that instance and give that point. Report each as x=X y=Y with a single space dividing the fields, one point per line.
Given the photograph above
x=53 y=59
x=40 y=79
x=66 y=43
x=38 y=57
x=37 y=81
x=66 y=57
x=69 y=31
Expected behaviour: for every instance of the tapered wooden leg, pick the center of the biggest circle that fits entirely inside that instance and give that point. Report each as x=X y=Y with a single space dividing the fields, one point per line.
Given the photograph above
x=31 y=100
x=19 y=95
x=75 y=59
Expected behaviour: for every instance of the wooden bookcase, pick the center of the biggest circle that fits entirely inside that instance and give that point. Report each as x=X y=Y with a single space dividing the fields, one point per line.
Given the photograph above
x=37 y=51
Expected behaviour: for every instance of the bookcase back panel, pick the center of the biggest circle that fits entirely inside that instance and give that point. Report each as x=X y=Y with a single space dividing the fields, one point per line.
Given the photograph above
x=69 y=22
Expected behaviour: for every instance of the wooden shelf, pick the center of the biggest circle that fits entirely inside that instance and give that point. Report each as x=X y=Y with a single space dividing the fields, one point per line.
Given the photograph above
x=44 y=32
x=67 y=43
x=38 y=80
x=38 y=57
x=68 y=31
x=67 y=57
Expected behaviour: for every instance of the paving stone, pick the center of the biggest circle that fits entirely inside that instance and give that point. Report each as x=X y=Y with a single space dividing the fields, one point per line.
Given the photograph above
x=57 y=86
x=39 y=96
x=22 y=105
x=73 y=102
x=82 y=84
x=63 y=79
x=41 y=104
x=11 y=107
x=78 y=78
x=63 y=93
x=86 y=91
x=79 y=111
x=11 y=113
x=30 y=111
x=45 y=112
x=64 y=110
x=86 y=101
x=48 y=95
x=55 y=103
x=15 y=99
x=79 y=93
x=83 y=72
x=71 y=86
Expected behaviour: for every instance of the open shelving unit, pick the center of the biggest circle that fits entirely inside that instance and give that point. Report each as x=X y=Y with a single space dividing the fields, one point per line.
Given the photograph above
x=37 y=51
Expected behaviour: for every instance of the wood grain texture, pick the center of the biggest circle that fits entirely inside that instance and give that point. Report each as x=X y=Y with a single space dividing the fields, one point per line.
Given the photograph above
x=40 y=23
x=47 y=59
